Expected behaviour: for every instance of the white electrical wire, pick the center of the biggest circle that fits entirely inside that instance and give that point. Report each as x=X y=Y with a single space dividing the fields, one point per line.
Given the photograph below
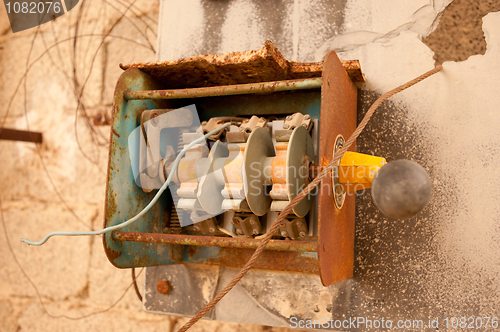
x=140 y=214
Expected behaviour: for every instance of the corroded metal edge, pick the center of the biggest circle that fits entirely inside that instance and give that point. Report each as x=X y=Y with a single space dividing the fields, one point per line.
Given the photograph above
x=215 y=241
x=227 y=90
x=335 y=226
x=253 y=66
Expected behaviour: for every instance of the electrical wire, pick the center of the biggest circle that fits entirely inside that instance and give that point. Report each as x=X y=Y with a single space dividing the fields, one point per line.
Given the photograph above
x=39 y=296
x=136 y=288
x=146 y=209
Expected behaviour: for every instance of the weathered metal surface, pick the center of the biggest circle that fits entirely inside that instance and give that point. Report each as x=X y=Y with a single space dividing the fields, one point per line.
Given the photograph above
x=303 y=101
x=296 y=261
x=214 y=241
x=293 y=227
x=247 y=224
x=124 y=199
x=335 y=226
x=267 y=64
x=20 y=135
x=163 y=286
x=226 y=90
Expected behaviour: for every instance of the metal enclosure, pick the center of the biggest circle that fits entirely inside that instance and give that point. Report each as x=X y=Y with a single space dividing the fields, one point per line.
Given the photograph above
x=329 y=252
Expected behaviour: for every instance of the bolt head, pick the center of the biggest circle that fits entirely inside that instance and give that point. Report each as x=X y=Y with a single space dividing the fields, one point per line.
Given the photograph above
x=304 y=125
x=220 y=122
x=262 y=120
x=288 y=118
x=284 y=233
x=286 y=126
x=245 y=121
x=255 y=231
x=196 y=228
x=252 y=221
x=302 y=233
x=307 y=117
x=299 y=223
x=212 y=230
x=239 y=231
x=163 y=286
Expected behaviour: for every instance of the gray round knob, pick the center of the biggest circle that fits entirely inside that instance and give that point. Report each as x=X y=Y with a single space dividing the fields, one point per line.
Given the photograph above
x=401 y=189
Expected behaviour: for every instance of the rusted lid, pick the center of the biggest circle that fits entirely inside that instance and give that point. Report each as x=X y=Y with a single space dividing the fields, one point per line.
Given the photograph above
x=267 y=64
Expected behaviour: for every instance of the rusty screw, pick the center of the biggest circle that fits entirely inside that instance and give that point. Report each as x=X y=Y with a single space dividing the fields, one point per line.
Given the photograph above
x=163 y=286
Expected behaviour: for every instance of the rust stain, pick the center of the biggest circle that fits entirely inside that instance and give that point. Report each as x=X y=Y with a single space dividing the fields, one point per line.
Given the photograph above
x=114 y=132
x=163 y=287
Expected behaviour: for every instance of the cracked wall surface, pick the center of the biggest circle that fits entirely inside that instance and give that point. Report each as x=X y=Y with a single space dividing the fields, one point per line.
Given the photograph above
x=459 y=34
x=448 y=124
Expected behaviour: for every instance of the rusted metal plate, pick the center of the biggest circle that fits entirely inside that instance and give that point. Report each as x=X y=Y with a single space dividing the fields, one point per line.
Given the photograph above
x=267 y=64
x=335 y=226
